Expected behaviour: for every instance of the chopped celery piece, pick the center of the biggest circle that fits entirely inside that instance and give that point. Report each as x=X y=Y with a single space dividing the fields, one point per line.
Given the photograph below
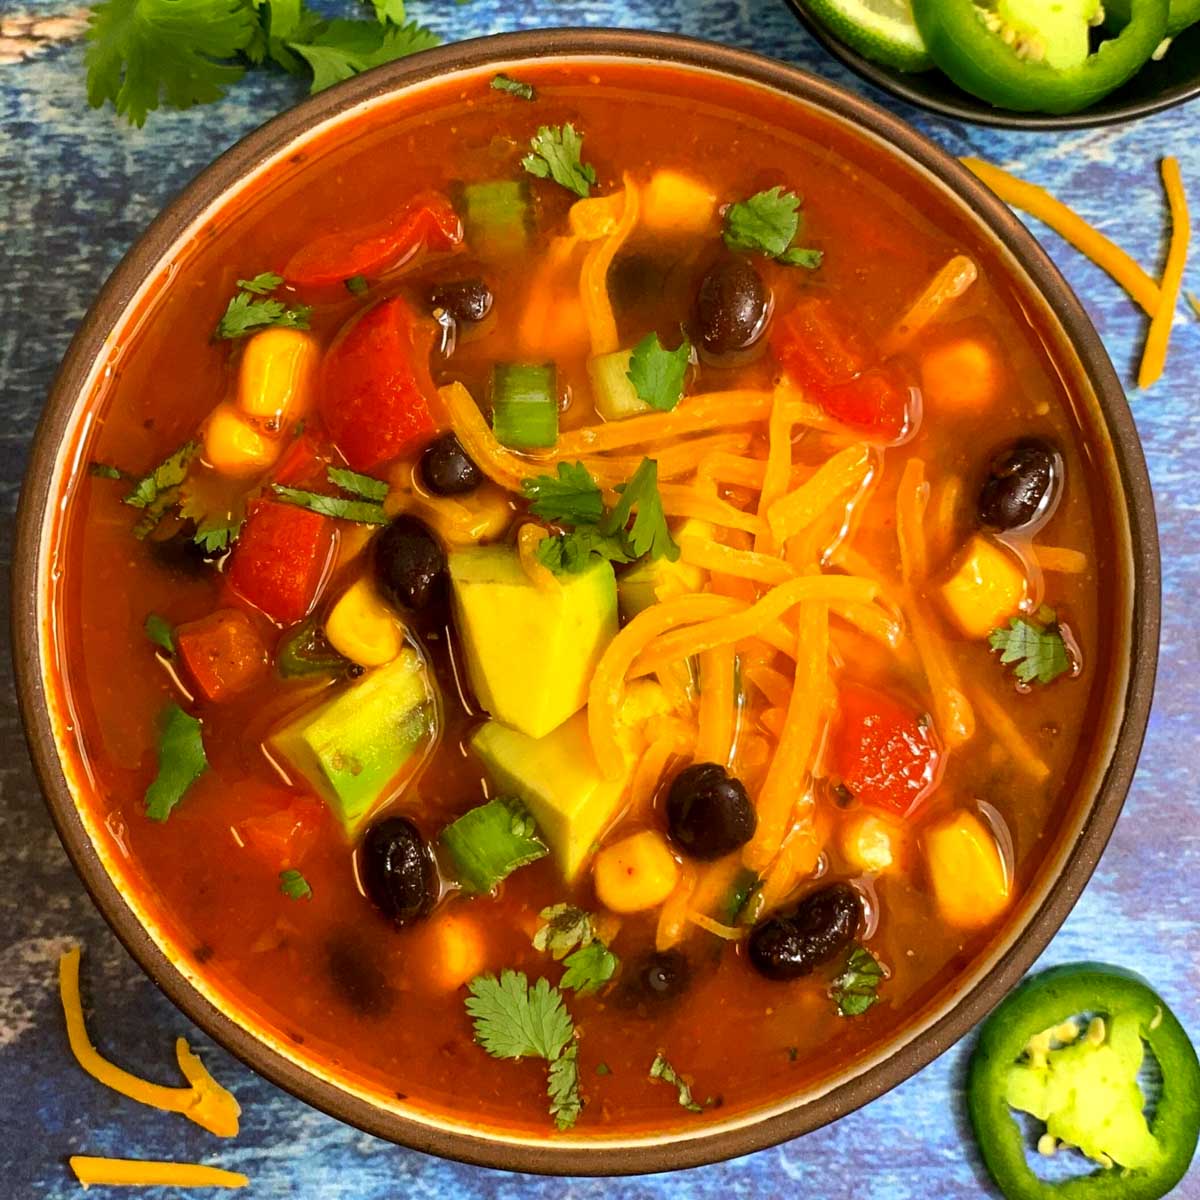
x=496 y=216
x=525 y=405
x=490 y=842
x=613 y=392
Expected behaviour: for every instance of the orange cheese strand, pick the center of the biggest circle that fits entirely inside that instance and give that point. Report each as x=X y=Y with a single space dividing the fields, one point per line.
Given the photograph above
x=684 y=500
x=745 y=564
x=732 y=469
x=781 y=798
x=795 y=512
x=952 y=711
x=608 y=681
x=205 y=1101
x=948 y=284
x=673 y=461
x=1107 y=255
x=498 y=464
x=137 y=1172
x=718 y=706
x=730 y=933
x=912 y=497
x=1005 y=729
x=1061 y=559
x=673 y=916
x=593 y=278
x=774 y=685
x=1154 y=357
x=752 y=621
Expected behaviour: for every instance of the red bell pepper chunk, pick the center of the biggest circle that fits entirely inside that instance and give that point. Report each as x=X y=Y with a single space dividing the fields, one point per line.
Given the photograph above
x=818 y=352
x=222 y=652
x=374 y=385
x=282 y=838
x=428 y=222
x=885 y=752
x=279 y=560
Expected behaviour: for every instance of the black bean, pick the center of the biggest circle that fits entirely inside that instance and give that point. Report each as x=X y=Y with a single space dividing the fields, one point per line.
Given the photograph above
x=793 y=942
x=182 y=553
x=654 y=981
x=356 y=977
x=708 y=812
x=410 y=564
x=1023 y=486
x=447 y=469
x=466 y=300
x=636 y=279
x=398 y=871
x=732 y=306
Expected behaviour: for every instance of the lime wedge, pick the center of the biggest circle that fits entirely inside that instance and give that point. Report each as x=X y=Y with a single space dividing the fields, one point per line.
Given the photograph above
x=882 y=30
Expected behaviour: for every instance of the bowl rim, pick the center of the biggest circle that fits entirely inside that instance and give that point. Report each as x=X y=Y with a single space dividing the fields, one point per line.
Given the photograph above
x=494 y=1149
x=980 y=112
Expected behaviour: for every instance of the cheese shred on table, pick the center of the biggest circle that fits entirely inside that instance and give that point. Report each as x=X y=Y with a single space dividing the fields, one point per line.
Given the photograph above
x=134 y=1172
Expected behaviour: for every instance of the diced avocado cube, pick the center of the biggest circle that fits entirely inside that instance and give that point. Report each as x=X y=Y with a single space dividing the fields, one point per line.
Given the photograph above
x=531 y=651
x=559 y=780
x=358 y=748
x=652 y=580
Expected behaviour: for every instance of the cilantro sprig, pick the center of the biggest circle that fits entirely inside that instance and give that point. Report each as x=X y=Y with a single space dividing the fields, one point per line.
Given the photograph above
x=569 y=935
x=365 y=509
x=160 y=631
x=573 y=496
x=660 y=1068
x=769 y=222
x=514 y=87
x=1035 y=649
x=514 y=1019
x=657 y=374
x=857 y=987
x=556 y=153
x=145 y=53
x=249 y=309
x=181 y=761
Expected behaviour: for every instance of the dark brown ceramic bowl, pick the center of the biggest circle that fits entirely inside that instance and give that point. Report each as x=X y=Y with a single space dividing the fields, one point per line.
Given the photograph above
x=1120 y=474
x=1157 y=86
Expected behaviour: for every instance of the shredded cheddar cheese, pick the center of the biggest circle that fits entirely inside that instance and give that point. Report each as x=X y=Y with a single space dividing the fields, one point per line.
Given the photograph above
x=947 y=285
x=793 y=513
x=135 y=1172
x=204 y=1101
x=1002 y=725
x=1154 y=357
x=593 y=279
x=1061 y=559
x=730 y=933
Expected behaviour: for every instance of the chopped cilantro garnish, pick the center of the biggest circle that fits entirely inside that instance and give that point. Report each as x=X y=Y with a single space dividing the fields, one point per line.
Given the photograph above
x=661 y=1069
x=649 y=533
x=159 y=631
x=556 y=155
x=516 y=1020
x=357 y=285
x=294 y=886
x=563 y=928
x=104 y=471
x=355 y=484
x=344 y=48
x=603 y=1069
x=163 y=479
x=1036 y=647
x=589 y=968
x=768 y=222
x=144 y=52
x=203 y=501
x=570 y=553
x=657 y=374
x=514 y=87
x=245 y=315
x=573 y=496
x=856 y=988
x=389 y=10
x=362 y=512
x=217 y=533
x=181 y=761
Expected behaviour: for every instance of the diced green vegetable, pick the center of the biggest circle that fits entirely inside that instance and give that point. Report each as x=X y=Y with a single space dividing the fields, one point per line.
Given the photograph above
x=490 y=842
x=306 y=651
x=496 y=216
x=525 y=405
x=356 y=749
x=613 y=393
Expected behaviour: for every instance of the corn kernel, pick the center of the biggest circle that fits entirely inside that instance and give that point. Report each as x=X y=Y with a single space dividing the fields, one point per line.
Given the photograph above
x=234 y=446
x=363 y=628
x=457 y=951
x=636 y=873
x=677 y=203
x=969 y=877
x=275 y=383
x=868 y=842
x=986 y=590
x=961 y=376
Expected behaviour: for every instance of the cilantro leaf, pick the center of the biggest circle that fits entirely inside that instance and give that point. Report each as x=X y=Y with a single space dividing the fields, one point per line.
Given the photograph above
x=555 y=155
x=181 y=761
x=589 y=968
x=145 y=52
x=343 y=48
x=649 y=533
x=514 y=87
x=294 y=886
x=768 y=222
x=389 y=10
x=365 y=486
x=661 y=1069
x=657 y=374
x=1037 y=649
x=158 y=630
x=571 y=553
x=217 y=534
x=357 y=285
x=164 y=478
x=562 y=1087
x=244 y=314
x=515 y=1020
x=856 y=988
x=563 y=928
x=263 y=284
x=362 y=512
x=99 y=470
x=572 y=496
x=217 y=524
x=284 y=21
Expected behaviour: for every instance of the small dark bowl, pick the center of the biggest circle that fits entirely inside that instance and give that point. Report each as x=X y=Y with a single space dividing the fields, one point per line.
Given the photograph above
x=1155 y=87
x=1101 y=785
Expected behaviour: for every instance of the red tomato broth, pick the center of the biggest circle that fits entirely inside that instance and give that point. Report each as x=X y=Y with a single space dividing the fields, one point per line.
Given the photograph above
x=271 y=954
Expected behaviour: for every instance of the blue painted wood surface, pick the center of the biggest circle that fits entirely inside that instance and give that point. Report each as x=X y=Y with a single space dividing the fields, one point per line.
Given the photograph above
x=76 y=188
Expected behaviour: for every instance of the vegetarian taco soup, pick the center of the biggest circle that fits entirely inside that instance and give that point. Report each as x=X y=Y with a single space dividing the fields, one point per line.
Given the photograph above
x=591 y=572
